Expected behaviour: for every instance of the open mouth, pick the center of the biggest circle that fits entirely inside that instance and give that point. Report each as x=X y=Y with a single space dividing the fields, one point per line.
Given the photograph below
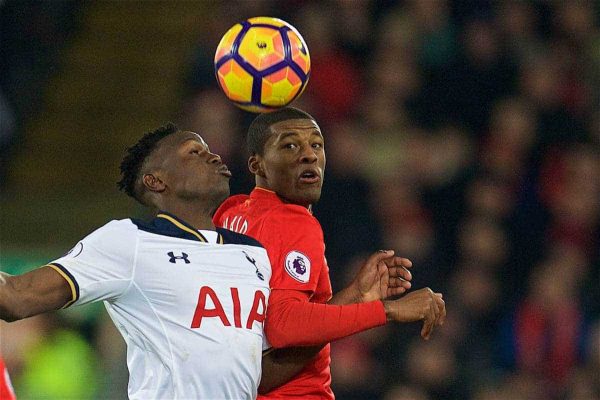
x=309 y=177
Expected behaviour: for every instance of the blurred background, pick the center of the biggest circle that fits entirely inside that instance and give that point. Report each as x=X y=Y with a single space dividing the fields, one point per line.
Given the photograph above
x=463 y=134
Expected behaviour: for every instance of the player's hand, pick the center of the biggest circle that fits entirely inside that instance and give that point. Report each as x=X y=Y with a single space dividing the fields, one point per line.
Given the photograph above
x=382 y=276
x=420 y=305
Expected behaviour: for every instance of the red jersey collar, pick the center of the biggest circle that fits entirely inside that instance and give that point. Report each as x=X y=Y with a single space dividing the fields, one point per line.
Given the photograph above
x=265 y=194
x=259 y=193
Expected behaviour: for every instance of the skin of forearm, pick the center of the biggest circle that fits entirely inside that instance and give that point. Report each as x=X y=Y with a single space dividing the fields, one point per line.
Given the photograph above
x=347 y=295
x=281 y=365
x=7 y=311
x=35 y=292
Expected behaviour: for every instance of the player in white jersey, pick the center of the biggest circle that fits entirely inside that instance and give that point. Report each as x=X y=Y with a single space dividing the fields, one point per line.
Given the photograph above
x=188 y=298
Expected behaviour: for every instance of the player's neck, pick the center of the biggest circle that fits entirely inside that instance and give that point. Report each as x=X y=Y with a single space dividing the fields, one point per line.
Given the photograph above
x=197 y=216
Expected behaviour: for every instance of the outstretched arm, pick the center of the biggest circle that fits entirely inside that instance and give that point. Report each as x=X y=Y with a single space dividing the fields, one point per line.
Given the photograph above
x=32 y=293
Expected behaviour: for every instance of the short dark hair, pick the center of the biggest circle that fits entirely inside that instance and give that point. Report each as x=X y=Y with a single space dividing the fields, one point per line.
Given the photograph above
x=135 y=157
x=258 y=132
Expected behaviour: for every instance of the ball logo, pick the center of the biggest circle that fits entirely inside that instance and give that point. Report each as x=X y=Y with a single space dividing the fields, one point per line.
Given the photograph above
x=303 y=49
x=297 y=266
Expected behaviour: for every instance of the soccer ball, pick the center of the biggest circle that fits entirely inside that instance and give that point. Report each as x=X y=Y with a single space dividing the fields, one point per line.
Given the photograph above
x=262 y=64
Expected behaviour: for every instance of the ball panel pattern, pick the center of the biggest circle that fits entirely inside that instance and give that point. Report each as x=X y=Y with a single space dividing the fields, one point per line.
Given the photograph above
x=262 y=64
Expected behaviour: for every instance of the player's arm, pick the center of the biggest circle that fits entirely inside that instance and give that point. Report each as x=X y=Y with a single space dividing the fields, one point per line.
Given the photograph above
x=279 y=366
x=75 y=277
x=35 y=292
x=294 y=321
x=381 y=277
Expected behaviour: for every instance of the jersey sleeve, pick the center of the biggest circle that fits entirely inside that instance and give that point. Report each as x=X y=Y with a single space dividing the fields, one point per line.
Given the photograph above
x=292 y=320
x=294 y=241
x=100 y=267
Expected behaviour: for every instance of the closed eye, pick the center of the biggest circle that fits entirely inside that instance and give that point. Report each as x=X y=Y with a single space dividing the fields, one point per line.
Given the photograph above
x=197 y=151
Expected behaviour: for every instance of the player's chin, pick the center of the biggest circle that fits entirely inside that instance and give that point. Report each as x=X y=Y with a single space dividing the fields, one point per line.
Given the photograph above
x=309 y=194
x=221 y=191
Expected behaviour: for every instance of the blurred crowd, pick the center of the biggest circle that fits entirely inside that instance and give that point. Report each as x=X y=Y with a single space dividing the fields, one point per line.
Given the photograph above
x=466 y=136
x=32 y=33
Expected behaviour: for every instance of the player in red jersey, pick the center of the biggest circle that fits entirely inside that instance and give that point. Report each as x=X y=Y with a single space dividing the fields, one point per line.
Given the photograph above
x=288 y=161
x=6 y=389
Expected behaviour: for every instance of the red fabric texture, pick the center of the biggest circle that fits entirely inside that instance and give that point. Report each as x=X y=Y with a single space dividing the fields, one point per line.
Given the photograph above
x=294 y=321
x=297 y=313
x=6 y=390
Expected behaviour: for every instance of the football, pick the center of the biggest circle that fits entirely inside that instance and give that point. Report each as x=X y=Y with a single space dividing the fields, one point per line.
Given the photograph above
x=262 y=64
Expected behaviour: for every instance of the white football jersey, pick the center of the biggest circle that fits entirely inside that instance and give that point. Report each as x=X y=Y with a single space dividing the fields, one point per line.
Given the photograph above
x=189 y=303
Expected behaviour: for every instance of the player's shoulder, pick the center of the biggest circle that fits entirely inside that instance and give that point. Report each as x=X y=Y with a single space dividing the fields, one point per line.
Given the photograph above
x=294 y=214
x=234 y=200
x=289 y=222
x=116 y=228
x=229 y=204
x=231 y=237
x=114 y=236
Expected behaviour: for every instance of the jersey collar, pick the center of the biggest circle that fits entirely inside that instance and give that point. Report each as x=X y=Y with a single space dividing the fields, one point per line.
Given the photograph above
x=168 y=224
x=265 y=195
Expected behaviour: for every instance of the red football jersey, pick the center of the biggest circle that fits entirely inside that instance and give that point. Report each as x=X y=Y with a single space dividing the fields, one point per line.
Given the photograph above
x=294 y=242
x=6 y=389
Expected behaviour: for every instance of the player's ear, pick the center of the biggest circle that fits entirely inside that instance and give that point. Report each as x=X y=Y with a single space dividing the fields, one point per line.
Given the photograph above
x=153 y=183
x=255 y=165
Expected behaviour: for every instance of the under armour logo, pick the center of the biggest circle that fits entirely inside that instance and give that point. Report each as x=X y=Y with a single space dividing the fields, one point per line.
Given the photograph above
x=253 y=262
x=173 y=258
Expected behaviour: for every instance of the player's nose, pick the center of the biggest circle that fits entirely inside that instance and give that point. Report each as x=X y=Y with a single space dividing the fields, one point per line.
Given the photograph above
x=215 y=159
x=308 y=155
